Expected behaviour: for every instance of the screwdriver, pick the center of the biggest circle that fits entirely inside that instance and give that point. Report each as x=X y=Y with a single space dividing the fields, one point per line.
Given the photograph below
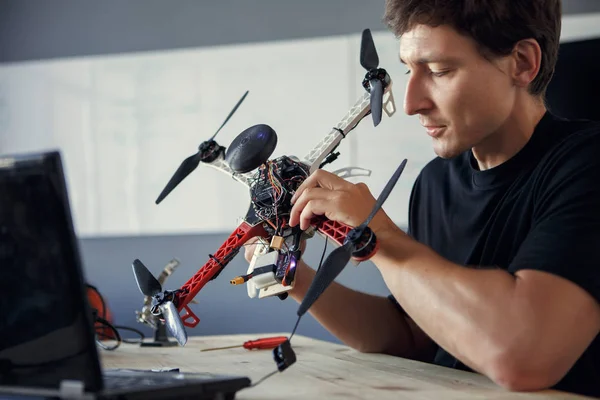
x=259 y=344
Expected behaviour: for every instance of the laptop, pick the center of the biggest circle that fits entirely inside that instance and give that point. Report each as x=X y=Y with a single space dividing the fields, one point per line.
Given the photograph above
x=47 y=339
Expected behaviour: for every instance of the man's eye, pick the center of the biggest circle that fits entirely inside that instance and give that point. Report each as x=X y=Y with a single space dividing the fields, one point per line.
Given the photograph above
x=407 y=72
x=439 y=73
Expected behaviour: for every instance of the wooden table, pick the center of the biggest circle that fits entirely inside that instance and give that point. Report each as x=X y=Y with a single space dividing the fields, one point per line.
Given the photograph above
x=323 y=370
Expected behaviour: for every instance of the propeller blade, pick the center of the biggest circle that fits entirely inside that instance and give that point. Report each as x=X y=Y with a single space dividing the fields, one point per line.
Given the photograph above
x=174 y=323
x=331 y=268
x=230 y=114
x=384 y=194
x=376 y=100
x=148 y=284
x=186 y=168
x=368 y=55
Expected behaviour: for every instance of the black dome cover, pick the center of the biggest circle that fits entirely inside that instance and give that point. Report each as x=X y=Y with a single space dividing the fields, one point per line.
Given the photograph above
x=251 y=148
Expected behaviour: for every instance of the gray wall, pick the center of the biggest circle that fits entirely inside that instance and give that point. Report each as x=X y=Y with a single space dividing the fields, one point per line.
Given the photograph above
x=35 y=29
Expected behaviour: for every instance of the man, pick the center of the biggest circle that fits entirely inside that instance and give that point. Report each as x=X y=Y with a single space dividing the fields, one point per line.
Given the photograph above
x=500 y=270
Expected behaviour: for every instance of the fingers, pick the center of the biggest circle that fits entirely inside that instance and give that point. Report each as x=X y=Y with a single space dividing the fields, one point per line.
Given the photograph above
x=363 y=188
x=250 y=247
x=304 y=201
x=323 y=179
x=252 y=240
x=311 y=210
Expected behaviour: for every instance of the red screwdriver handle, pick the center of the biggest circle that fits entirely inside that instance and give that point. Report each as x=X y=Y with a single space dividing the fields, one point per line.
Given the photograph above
x=265 y=343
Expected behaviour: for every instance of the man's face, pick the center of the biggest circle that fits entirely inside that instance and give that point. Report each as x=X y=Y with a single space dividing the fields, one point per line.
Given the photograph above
x=460 y=97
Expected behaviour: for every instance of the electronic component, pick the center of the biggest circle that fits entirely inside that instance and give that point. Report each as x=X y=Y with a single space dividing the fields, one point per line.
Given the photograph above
x=275 y=183
x=277 y=242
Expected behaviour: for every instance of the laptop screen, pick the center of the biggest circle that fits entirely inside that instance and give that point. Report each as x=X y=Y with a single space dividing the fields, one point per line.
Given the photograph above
x=46 y=331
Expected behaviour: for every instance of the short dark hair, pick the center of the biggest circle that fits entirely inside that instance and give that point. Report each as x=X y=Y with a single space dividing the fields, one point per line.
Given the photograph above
x=495 y=25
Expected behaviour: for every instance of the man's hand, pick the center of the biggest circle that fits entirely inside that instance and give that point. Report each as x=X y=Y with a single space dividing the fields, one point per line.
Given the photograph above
x=250 y=247
x=324 y=193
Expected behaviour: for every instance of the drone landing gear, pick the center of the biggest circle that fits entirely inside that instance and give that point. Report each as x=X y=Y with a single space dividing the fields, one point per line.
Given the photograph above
x=160 y=338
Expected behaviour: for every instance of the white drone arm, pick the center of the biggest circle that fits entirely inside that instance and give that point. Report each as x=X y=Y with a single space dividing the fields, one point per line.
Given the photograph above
x=360 y=109
x=220 y=164
x=348 y=172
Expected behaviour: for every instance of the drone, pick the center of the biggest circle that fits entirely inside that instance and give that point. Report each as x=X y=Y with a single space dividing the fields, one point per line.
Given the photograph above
x=271 y=184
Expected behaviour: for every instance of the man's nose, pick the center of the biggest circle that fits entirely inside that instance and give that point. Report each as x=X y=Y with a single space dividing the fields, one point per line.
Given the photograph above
x=416 y=97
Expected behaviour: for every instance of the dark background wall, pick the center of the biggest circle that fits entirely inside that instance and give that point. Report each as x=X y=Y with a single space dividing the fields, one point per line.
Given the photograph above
x=573 y=91
x=32 y=30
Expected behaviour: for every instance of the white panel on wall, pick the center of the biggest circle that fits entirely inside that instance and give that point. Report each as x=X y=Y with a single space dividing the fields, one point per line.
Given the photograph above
x=580 y=27
x=124 y=124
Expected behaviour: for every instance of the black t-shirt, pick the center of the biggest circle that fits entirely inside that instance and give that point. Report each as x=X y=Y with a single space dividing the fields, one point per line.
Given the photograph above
x=538 y=210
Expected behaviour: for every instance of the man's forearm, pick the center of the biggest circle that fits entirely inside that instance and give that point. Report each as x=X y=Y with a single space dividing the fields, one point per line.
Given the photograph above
x=362 y=321
x=469 y=312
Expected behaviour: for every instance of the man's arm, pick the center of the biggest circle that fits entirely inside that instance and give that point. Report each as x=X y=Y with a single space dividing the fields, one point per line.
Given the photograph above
x=362 y=321
x=524 y=331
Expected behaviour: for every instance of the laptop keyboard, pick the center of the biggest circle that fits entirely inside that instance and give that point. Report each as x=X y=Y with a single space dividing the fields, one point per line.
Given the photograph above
x=125 y=382
x=129 y=379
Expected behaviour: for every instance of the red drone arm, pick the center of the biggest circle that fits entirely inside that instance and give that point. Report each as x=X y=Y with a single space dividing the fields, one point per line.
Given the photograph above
x=229 y=249
x=213 y=266
x=337 y=232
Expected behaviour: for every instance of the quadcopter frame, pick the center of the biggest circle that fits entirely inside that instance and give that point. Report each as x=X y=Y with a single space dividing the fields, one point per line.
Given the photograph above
x=271 y=184
x=251 y=226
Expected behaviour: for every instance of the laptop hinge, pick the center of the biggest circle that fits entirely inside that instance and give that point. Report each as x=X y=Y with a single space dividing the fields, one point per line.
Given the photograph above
x=73 y=390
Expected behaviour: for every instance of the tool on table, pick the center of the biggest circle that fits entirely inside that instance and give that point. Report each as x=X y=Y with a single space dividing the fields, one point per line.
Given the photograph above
x=259 y=344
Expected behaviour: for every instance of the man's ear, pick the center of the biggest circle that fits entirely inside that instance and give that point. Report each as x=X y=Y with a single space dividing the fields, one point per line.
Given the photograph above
x=527 y=58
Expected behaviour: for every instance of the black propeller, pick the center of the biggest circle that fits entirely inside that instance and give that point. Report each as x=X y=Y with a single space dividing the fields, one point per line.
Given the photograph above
x=148 y=284
x=163 y=301
x=207 y=151
x=337 y=260
x=368 y=54
x=373 y=80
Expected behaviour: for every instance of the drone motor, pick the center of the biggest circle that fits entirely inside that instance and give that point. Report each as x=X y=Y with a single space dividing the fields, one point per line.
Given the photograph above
x=210 y=150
